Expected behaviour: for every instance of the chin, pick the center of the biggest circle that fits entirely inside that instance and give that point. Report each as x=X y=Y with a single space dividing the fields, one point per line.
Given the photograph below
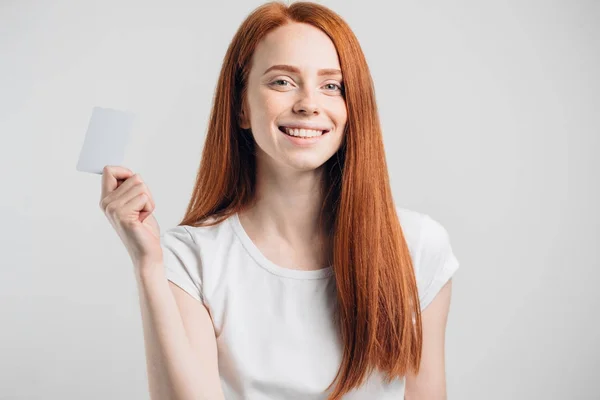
x=304 y=164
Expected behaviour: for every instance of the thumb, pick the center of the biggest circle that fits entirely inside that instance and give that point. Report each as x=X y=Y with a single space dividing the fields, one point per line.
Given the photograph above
x=111 y=175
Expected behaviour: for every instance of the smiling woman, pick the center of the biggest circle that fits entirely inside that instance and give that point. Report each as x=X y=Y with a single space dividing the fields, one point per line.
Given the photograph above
x=295 y=274
x=295 y=81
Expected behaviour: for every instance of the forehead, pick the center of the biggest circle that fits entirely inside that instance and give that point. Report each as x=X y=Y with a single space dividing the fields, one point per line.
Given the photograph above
x=298 y=44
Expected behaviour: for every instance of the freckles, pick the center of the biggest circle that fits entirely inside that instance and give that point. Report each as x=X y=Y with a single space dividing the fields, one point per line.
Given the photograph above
x=273 y=105
x=269 y=102
x=265 y=100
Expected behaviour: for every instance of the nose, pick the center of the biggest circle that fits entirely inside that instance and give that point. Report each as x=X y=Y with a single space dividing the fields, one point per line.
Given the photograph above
x=306 y=104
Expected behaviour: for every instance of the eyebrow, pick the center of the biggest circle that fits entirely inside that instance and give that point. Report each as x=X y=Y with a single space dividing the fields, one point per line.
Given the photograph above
x=292 y=69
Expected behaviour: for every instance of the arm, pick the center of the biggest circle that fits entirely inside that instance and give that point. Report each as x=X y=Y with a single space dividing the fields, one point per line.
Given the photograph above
x=181 y=351
x=430 y=383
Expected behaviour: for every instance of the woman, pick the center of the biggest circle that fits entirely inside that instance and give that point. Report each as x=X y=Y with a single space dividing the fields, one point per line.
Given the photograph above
x=292 y=275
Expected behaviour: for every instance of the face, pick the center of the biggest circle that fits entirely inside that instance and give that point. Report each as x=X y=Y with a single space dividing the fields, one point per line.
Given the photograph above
x=306 y=93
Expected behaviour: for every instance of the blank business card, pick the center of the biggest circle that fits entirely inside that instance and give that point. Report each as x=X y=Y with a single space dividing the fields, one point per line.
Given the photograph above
x=106 y=139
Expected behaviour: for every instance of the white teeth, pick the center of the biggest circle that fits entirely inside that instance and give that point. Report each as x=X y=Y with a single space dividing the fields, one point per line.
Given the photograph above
x=303 y=132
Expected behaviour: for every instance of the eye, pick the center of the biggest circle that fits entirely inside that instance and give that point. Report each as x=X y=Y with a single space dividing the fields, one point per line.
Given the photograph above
x=339 y=87
x=279 y=80
x=285 y=82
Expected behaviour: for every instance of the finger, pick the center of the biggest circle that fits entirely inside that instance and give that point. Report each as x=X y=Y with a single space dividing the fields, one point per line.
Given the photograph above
x=120 y=208
x=133 y=191
x=140 y=203
x=111 y=174
x=121 y=189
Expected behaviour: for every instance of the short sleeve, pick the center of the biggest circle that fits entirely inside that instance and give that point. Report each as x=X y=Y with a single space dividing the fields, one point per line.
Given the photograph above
x=436 y=262
x=182 y=261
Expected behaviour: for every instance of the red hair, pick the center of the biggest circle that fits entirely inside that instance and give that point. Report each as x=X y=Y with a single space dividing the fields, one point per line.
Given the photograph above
x=378 y=309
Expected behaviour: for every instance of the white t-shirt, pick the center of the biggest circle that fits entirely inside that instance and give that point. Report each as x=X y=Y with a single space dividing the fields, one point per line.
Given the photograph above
x=274 y=325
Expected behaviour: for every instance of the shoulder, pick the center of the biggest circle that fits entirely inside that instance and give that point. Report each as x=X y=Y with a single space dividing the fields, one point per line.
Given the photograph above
x=179 y=245
x=197 y=235
x=411 y=222
x=193 y=246
x=432 y=254
x=418 y=224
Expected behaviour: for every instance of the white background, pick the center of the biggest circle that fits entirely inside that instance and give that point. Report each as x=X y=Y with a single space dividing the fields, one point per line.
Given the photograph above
x=490 y=113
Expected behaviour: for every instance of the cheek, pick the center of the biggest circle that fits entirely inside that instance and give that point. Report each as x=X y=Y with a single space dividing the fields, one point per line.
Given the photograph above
x=341 y=114
x=266 y=108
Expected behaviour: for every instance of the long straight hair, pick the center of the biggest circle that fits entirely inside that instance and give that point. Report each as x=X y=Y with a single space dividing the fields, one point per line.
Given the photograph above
x=377 y=310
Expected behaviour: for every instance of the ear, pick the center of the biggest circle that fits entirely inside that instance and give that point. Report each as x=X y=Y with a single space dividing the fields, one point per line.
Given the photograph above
x=244 y=122
x=243 y=119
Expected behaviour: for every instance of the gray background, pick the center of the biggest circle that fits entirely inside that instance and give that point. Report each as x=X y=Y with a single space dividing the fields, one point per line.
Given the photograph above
x=490 y=112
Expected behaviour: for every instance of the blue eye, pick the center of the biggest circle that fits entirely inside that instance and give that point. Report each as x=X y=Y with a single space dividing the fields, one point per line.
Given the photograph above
x=335 y=84
x=275 y=83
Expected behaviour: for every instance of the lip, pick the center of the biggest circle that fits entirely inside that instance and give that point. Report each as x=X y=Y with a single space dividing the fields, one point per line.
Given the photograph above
x=300 y=142
x=305 y=126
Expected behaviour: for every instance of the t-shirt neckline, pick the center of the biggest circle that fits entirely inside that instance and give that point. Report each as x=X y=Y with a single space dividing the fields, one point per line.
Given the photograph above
x=267 y=264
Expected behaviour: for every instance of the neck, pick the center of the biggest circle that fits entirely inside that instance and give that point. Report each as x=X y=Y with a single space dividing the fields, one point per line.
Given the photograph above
x=287 y=205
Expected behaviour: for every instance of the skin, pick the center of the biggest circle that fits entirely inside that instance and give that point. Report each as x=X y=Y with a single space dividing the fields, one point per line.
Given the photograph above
x=288 y=176
x=283 y=221
x=430 y=383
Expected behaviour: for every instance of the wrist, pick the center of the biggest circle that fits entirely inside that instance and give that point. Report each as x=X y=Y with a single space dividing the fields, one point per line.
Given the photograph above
x=149 y=270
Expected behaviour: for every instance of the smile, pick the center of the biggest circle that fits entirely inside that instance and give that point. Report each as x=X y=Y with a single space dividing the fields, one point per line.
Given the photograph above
x=303 y=137
x=302 y=133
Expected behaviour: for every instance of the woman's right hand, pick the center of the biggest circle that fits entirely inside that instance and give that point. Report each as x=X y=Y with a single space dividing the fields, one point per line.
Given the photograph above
x=128 y=205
